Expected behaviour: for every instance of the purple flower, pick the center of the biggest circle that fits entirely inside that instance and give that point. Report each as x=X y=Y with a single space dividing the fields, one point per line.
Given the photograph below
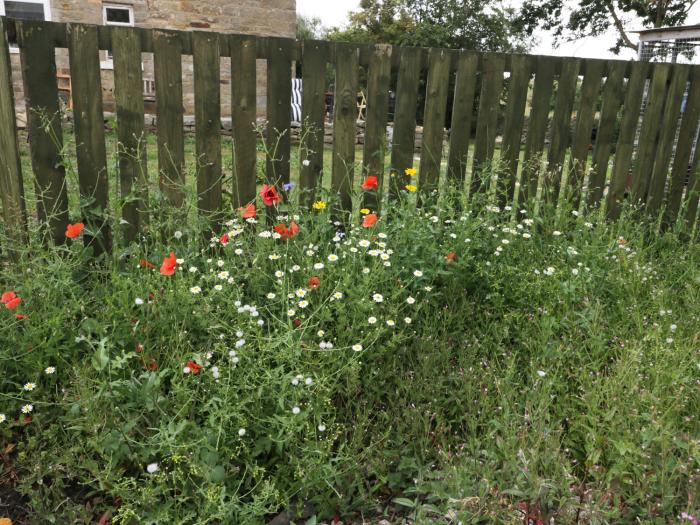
x=288 y=186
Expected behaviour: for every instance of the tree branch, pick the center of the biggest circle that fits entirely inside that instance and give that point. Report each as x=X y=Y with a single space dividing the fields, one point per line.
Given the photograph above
x=620 y=27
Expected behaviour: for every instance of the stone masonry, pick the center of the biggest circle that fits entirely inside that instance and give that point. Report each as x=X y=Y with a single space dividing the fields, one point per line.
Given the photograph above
x=255 y=17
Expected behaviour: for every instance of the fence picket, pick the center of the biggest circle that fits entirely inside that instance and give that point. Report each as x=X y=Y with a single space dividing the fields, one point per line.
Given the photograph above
x=11 y=182
x=128 y=93
x=461 y=122
x=207 y=116
x=90 y=146
x=667 y=136
x=541 y=97
x=612 y=98
x=167 y=59
x=590 y=89
x=560 y=135
x=487 y=120
x=625 y=142
x=279 y=95
x=313 y=110
x=344 y=125
x=41 y=99
x=404 y=137
x=681 y=160
x=521 y=69
x=434 y=120
x=643 y=167
x=375 y=124
x=243 y=112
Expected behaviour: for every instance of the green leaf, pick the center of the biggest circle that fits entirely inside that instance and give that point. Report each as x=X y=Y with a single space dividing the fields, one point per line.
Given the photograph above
x=405 y=502
x=311 y=520
x=217 y=474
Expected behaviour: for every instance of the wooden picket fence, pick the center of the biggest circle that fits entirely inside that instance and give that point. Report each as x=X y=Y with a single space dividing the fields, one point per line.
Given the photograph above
x=564 y=99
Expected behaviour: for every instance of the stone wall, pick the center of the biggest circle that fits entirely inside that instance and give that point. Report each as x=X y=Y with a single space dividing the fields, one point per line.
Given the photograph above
x=256 y=17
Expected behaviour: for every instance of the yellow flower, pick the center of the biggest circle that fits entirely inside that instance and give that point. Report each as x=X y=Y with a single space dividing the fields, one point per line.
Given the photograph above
x=412 y=188
x=319 y=205
x=5 y=521
x=364 y=211
x=410 y=172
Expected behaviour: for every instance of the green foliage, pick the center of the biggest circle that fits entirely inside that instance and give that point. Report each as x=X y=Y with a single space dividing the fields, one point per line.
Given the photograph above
x=596 y=17
x=551 y=362
x=470 y=24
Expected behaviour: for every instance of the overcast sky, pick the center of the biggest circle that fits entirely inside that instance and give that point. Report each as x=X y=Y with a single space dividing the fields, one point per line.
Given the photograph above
x=334 y=13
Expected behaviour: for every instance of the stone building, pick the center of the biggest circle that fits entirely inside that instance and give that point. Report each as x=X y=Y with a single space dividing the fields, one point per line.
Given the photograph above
x=257 y=17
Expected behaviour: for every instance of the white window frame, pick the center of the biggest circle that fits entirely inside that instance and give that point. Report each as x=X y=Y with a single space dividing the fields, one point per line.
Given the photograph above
x=47 y=14
x=108 y=63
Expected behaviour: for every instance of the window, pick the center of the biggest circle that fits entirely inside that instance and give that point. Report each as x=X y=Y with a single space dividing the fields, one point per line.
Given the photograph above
x=25 y=10
x=116 y=15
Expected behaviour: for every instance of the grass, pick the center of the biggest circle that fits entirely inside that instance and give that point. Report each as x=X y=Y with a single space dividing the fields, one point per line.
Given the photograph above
x=453 y=363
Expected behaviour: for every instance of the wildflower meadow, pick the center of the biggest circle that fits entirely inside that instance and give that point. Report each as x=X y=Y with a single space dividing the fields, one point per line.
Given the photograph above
x=445 y=364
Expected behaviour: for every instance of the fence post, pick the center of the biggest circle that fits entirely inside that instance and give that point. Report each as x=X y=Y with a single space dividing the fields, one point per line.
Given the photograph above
x=344 y=125
x=11 y=185
x=243 y=108
x=90 y=134
x=378 y=80
x=434 y=122
x=128 y=92
x=461 y=122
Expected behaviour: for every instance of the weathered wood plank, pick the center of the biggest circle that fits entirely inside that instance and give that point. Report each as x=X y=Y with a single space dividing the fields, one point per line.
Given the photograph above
x=243 y=108
x=207 y=116
x=313 y=109
x=539 y=115
x=513 y=126
x=646 y=150
x=590 y=92
x=128 y=94
x=681 y=160
x=11 y=182
x=375 y=124
x=560 y=135
x=462 y=109
x=91 y=153
x=404 y=137
x=625 y=142
x=279 y=96
x=612 y=98
x=45 y=141
x=487 y=121
x=344 y=126
x=692 y=196
x=669 y=127
x=434 y=121
x=169 y=113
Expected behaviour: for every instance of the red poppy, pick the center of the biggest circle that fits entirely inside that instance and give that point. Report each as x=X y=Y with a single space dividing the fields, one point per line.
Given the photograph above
x=19 y=317
x=194 y=367
x=73 y=230
x=314 y=282
x=143 y=263
x=11 y=300
x=296 y=323
x=451 y=257
x=153 y=365
x=224 y=239
x=369 y=220
x=287 y=233
x=247 y=211
x=270 y=195
x=169 y=264
x=370 y=183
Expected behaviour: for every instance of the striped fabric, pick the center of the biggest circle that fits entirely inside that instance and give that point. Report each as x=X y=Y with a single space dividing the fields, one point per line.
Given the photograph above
x=296 y=100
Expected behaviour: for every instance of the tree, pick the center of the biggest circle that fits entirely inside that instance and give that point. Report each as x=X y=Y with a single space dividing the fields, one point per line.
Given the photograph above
x=485 y=25
x=594 y=17
x=309 y=28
